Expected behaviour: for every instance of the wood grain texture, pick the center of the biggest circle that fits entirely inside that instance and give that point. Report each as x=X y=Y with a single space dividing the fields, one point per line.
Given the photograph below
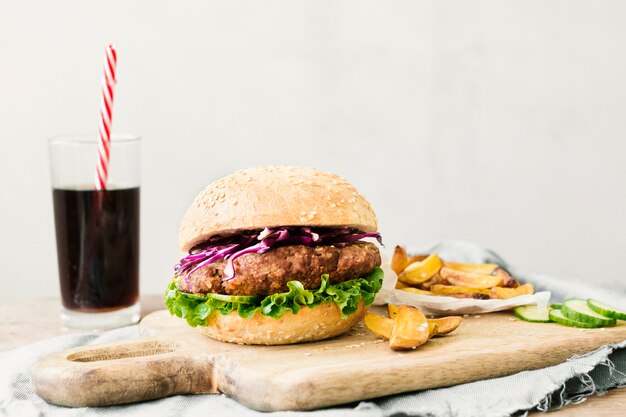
x=352 y=367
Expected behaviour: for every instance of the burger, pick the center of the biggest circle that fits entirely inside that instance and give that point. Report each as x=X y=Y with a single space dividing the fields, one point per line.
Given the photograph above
x=276 y=255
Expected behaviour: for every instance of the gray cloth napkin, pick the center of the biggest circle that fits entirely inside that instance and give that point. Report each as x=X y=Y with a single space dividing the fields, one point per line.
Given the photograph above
x=544 y=389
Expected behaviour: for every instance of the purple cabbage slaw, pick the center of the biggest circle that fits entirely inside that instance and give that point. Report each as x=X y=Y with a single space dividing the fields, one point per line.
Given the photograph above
x=231 y=248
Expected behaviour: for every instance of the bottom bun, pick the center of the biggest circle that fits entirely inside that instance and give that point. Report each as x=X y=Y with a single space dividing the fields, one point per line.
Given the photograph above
x=309 y=324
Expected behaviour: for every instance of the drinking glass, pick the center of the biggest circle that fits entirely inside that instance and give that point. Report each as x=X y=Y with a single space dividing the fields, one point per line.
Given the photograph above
x=97 y=231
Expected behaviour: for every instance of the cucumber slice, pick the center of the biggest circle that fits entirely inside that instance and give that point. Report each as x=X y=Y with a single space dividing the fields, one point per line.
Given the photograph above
x=557 y=306
x=241 y=299
x=606 y=310
x=532 y=313
x=194 y=296
x=578 y=310
x=557 y=315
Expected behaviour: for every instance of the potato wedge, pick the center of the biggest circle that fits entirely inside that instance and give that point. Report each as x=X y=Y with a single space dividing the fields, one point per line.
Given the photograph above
x=419 y=272
x=470 y=279
x=482 y=284
x=437 y=279
x=510 y=282
x=484 y=269
x=436 y=327
x=416 y=291
x=501 y=272
x=392 y=310
x=400 y=285
x=446 y=325
x=410 y=329
x=504 y=293
x=379 y=325
x=455 y=289
x=417 y=258
x=507 y=279
x=475 y=296
x=399 y=260
x=432 y=329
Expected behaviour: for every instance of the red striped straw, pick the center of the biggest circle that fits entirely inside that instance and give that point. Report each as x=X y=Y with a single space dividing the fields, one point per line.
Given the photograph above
x=106 y=107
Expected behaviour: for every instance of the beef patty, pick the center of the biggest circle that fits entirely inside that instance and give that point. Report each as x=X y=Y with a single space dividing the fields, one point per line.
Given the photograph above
x=268 y=273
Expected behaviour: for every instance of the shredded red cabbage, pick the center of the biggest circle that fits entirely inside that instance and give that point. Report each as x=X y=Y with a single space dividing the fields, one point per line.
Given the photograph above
x=230 y=248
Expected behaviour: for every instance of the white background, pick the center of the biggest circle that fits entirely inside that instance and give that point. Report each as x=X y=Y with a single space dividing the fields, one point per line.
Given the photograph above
x=497 y=122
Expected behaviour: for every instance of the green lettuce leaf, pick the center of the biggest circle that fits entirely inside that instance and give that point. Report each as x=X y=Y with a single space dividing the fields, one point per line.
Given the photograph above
x=347 y=295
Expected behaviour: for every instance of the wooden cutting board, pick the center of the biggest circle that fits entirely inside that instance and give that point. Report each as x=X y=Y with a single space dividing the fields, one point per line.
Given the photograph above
x=177 y=359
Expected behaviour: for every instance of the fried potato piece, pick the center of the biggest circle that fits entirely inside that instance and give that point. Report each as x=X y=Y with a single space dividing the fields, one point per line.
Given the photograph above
x=507 y=279
x=484 y=269
x=501 y=272
x=400 y=285
x=470 y=279
x=417 y=258
x=392 y=310
x=432 y=325
x=432 y=329
x=410 y=329
x=510 y=282
x=436 y=327
x=504 y=293
x=483 y=283
x=475 y=296
x=446 y=325
x=416 y=291
x=456 y=289
x=382 y=326
x=399 y=260
x=379 y=325
x=437 y=279
x=439 y=326
x=419 y=272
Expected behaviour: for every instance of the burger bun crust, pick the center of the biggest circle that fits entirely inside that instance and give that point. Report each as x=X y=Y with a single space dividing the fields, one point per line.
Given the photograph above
x=257 y=198
x=309 y=324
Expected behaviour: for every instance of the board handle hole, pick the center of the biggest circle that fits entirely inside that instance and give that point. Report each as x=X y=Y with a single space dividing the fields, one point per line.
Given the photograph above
x=121 y=352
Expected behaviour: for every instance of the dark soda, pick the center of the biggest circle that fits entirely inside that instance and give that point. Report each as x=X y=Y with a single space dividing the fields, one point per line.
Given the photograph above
x=98 y=248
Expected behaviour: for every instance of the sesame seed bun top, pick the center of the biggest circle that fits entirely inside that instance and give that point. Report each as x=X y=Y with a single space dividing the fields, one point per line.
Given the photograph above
x=274 y=196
